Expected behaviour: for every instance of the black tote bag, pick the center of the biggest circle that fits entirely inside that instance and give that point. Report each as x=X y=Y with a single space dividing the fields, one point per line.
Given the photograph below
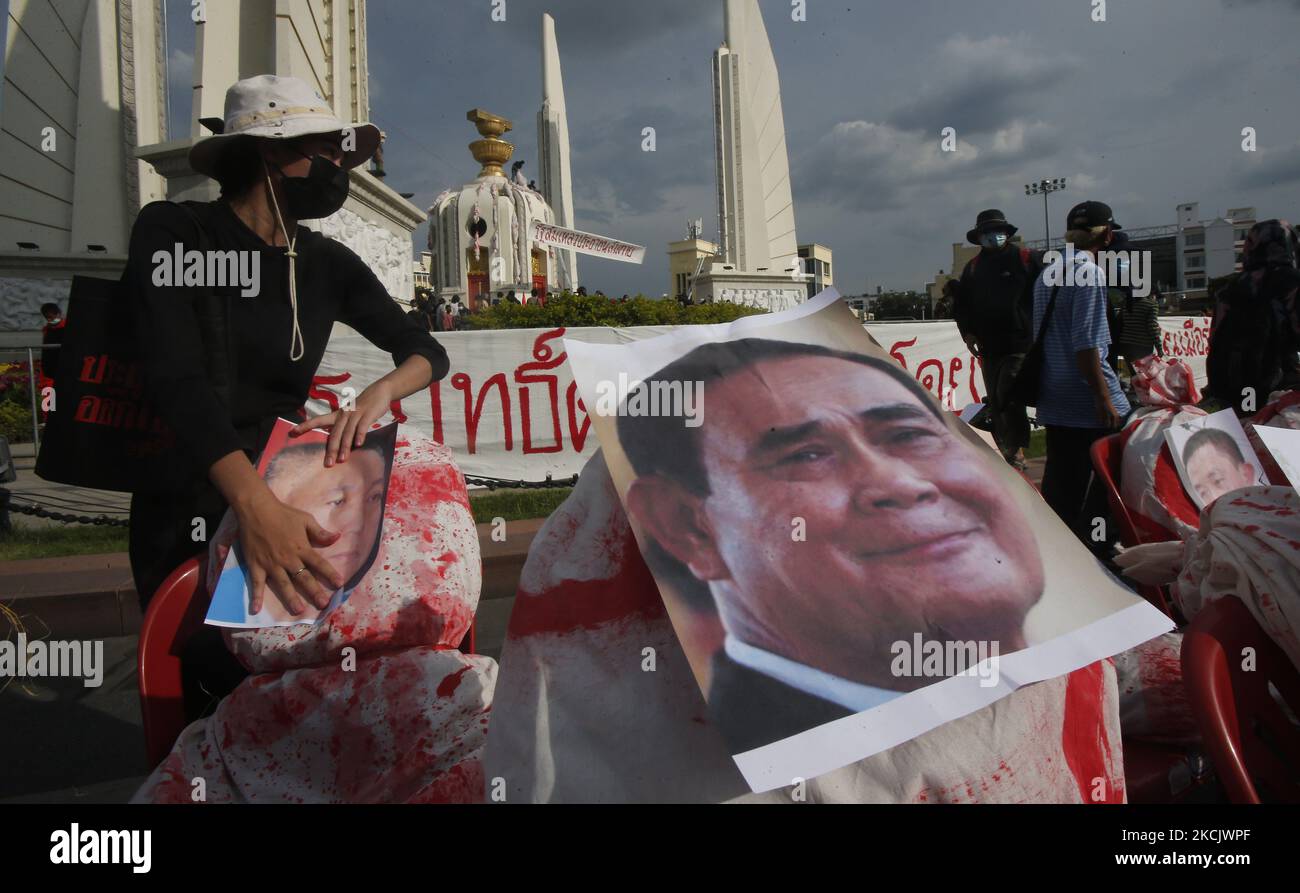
x=1029 y=380
x=103 y=431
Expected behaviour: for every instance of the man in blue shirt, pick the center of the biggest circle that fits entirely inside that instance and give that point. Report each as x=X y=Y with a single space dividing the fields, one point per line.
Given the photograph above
x=1080 y=400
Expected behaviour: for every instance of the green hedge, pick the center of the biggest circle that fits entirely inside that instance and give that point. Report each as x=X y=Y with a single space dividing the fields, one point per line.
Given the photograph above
x=574 y=311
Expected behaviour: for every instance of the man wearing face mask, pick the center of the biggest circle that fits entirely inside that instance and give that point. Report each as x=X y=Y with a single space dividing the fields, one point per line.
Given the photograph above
x=281 y=156
x=990 y=303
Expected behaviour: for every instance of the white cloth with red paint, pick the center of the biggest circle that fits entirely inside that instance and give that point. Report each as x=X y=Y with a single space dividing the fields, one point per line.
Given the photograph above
x=1281 y=411
x=400 y=715
x=578 y=716
x=1153 y=703
x=1248 y=546
x=1149 y=483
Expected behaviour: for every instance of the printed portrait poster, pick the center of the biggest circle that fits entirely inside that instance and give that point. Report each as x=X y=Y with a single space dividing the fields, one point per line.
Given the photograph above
x=347 y=498
x=1213 y=456
x=845 y=564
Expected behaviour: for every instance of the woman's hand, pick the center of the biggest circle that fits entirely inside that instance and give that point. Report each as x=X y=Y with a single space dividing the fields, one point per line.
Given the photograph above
x=348 y=427
x=279 y=545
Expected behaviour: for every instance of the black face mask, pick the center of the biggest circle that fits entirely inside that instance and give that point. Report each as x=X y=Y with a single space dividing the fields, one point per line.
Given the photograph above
x=319 y=194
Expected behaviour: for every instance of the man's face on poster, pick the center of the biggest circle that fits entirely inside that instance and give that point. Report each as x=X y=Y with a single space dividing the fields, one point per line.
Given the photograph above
x=1215 y=471
x=907 y=529
x=346 y=498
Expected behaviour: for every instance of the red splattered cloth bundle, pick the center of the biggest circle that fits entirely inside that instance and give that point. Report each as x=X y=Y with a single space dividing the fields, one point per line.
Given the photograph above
x=1149 y=482
x=1153 y=703
x=1248 y=546
x=598 y=703
x=374 y=704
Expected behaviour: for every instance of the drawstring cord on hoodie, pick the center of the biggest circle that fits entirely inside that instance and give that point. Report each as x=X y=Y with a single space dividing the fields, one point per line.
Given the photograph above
x=296 y=344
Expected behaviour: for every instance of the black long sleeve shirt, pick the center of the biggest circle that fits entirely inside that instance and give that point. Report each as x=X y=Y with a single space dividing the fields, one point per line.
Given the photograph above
x=993 y=301
x=334 y=285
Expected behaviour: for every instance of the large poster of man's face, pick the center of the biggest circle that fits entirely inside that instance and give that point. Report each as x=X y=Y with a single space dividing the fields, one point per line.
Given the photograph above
x=846 y=564
x=346 y=498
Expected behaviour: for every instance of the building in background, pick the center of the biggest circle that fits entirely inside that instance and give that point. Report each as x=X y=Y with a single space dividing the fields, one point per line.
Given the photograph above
x=556 y=181
x=93 y=73
x=962 y=252
x=1208 y=249
x=1162 y=243
x=84 y=84
x=687 y=258
x=816 y=260
x=421 y=270
x=756 y=231
x=481 y=235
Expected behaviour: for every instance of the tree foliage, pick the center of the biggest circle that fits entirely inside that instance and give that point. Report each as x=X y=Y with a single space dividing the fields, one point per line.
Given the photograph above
x=575 y=311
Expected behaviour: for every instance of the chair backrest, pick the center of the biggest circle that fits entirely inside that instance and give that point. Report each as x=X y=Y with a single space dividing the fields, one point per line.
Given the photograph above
x=1107 y=459
x=175 y=614
x=1255 y=747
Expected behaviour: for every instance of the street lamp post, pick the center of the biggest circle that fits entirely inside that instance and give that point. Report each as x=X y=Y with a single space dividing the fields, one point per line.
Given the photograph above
x=1045 y=188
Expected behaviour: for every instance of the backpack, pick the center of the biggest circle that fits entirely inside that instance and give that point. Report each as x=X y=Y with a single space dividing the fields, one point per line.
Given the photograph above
x=1033 y=266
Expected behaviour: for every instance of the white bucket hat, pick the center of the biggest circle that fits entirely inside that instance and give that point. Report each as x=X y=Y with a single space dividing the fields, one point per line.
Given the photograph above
x=278 y=108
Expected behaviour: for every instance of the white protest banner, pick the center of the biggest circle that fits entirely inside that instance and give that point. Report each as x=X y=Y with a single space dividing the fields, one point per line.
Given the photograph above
x=1187 y=338
x=587 y=243
x=509 y=408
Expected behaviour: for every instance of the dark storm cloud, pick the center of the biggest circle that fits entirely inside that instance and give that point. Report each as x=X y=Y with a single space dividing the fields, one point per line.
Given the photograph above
x=984 y=85
x=1294 y=4
x=1270 y=168
x=1142 y=111
x=864 y=166
x=611 y=27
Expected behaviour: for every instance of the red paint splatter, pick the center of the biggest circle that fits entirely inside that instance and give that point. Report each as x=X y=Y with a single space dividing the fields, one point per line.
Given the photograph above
x=448 y=686
x=1083 y=736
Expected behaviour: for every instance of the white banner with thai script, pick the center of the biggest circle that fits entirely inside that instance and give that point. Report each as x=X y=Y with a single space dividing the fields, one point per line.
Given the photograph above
x=587 y=243
x=510 y=410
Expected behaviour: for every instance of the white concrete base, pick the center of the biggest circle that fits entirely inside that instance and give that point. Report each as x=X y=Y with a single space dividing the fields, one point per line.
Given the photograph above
x=772 y=292
x=386 y=253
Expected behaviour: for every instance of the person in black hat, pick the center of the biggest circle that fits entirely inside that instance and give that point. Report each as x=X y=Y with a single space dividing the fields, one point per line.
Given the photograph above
x=1080 y=399
x=990 y=302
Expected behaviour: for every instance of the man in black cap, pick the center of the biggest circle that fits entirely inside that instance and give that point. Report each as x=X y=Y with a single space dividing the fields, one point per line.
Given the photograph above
x=1080 y=399
x=990 y=303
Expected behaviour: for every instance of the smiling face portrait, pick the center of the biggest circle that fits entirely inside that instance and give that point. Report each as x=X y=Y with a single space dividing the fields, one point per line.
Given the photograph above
x=907 y=527
x=1215 y=464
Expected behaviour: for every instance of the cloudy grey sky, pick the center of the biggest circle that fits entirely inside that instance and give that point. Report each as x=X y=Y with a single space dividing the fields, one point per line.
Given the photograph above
x=1144 y=111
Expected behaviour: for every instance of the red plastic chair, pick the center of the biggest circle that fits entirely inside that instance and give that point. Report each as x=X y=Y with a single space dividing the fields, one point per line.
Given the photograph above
x=1255 y=747
x=1107 y=458
x=175 y=614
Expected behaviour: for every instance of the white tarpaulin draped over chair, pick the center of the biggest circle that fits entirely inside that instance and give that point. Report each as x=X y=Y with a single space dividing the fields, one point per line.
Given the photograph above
x=509 y=409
